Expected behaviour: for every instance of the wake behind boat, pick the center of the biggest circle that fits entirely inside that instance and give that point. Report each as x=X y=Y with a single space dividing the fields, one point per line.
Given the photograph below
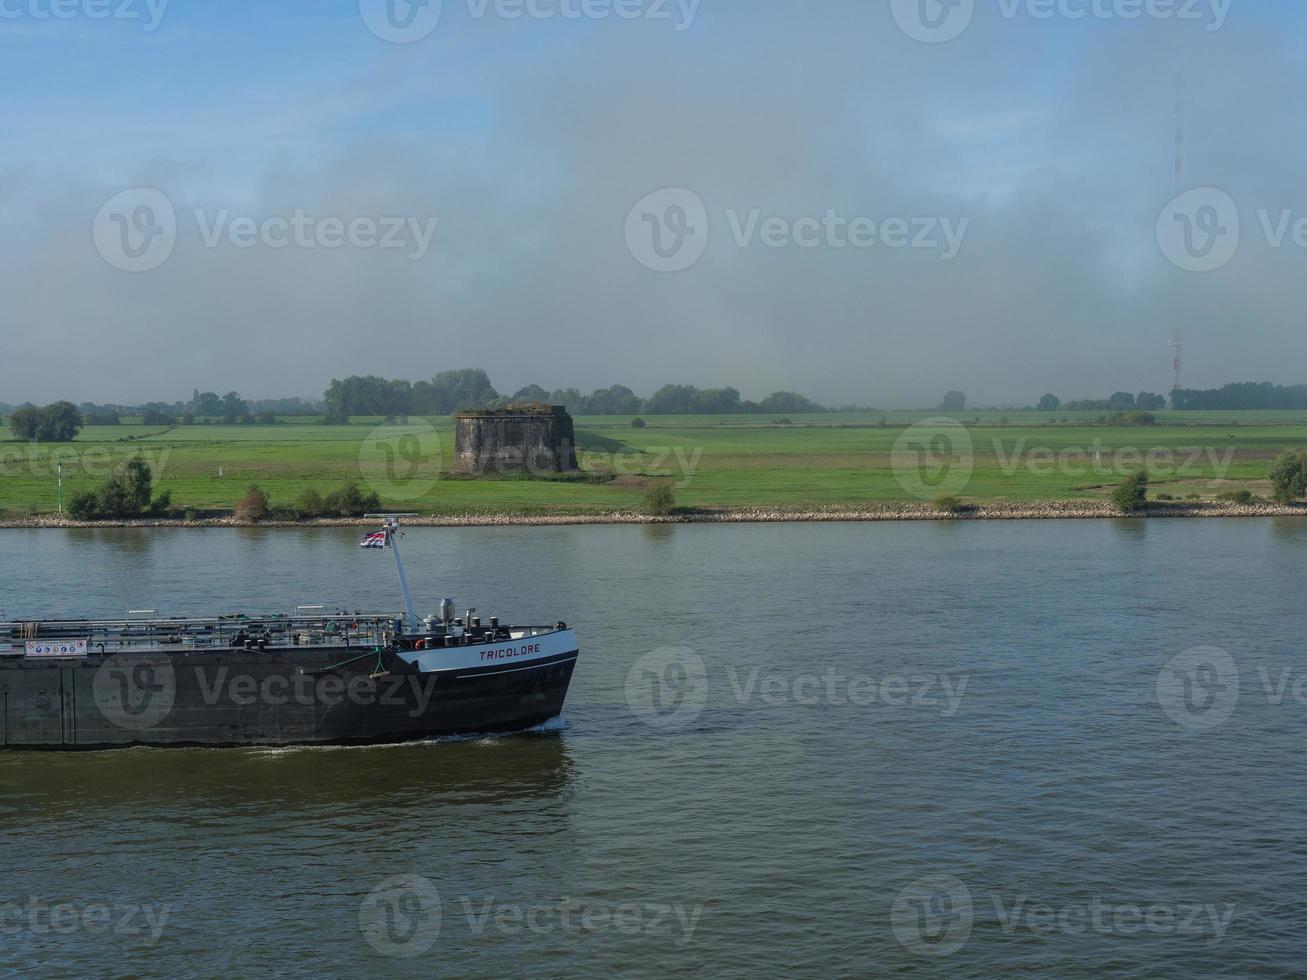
x=312 y=678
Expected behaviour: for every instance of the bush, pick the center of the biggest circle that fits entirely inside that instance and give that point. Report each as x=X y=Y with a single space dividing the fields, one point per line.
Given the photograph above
x=1133 y=418
x=1289 y=477
x=1237 y=497
x=311 y=504
x=951 y=505
x=350 y=501
x=1131 y=495
x=84 y=506
x=161 y=503
x=637 y=423
x=660 y=500
x=253 y=506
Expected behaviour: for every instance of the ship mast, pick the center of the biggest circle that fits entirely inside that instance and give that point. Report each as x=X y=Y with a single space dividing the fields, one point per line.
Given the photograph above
x=390 y=525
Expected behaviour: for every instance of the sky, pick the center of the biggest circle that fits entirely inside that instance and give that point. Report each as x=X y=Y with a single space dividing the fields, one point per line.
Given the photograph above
x=870 y=202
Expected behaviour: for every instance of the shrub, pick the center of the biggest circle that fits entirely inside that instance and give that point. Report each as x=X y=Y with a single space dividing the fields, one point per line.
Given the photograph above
x=785 y=421
x=951 y=505
x=311 y=504
x=253 y=506
x=637 y=423
x=350 y=501
x=1131 y=495
x=1133 y=418
x=190 y=515
x=161 y=503
x=1289 y=477
x=84 y=506
x=660 y=500
x=1237 y=497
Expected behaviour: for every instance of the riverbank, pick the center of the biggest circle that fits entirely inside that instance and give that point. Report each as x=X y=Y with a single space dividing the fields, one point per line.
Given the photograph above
x=1023 y=511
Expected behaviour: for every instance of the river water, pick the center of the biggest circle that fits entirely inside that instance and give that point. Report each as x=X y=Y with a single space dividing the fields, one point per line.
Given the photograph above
x=1069 y=749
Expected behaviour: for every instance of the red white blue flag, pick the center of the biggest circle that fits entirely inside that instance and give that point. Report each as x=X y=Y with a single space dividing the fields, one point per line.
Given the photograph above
x=377 y=540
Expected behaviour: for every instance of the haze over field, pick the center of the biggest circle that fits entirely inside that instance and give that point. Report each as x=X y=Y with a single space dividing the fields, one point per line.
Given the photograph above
x=1029 y=159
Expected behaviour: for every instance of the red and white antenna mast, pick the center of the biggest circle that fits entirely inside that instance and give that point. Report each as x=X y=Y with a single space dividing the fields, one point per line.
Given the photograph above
x=1177 y=353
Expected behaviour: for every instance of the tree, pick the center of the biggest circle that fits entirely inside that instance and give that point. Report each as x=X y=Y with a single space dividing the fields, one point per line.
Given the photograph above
x=24 y=422
x=206 y=404
x=1050 y=403
x=1289 y=477
x=954 y=401
x=531 y=393
x=234 y=408
x=1122 y=401
x=1131 y=495
x=59 y=422
x=1147 y=401
x=253 y=506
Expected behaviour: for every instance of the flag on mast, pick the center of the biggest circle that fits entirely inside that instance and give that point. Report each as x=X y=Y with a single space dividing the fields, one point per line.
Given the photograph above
x=377 y=540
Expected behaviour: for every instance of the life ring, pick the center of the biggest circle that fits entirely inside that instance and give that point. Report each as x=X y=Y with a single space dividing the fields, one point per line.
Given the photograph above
x=420 y=645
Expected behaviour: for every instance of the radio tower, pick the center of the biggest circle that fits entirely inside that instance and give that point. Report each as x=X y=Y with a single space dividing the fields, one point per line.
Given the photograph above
x=1177 y=352
x=1177 y=335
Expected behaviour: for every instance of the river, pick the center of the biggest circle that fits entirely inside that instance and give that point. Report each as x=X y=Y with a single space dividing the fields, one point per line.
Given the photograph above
x=1066 y=749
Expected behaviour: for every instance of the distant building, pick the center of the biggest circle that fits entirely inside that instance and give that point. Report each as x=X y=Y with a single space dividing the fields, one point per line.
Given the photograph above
x=520 y=439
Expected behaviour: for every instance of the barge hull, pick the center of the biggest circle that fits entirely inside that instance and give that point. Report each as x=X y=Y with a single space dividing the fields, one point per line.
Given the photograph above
x=272 y=698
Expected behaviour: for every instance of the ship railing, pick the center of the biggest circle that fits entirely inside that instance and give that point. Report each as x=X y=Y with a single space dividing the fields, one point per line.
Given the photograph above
x=105 y=636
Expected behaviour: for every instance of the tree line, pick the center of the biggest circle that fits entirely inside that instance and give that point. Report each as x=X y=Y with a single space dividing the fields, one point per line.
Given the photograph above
x=470 y=389
x=1246 y=396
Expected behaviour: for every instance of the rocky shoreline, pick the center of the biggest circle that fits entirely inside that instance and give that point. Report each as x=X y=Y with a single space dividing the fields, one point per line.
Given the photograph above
x=1037 y=511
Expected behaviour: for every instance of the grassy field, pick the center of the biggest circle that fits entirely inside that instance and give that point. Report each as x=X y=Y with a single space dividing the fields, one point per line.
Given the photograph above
x=714 y=462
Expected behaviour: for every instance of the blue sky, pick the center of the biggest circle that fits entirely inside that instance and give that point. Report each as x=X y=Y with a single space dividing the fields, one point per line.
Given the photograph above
x=528 y=140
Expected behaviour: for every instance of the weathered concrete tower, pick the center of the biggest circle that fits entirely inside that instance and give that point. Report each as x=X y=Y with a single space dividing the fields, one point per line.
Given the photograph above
x=524 y=439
